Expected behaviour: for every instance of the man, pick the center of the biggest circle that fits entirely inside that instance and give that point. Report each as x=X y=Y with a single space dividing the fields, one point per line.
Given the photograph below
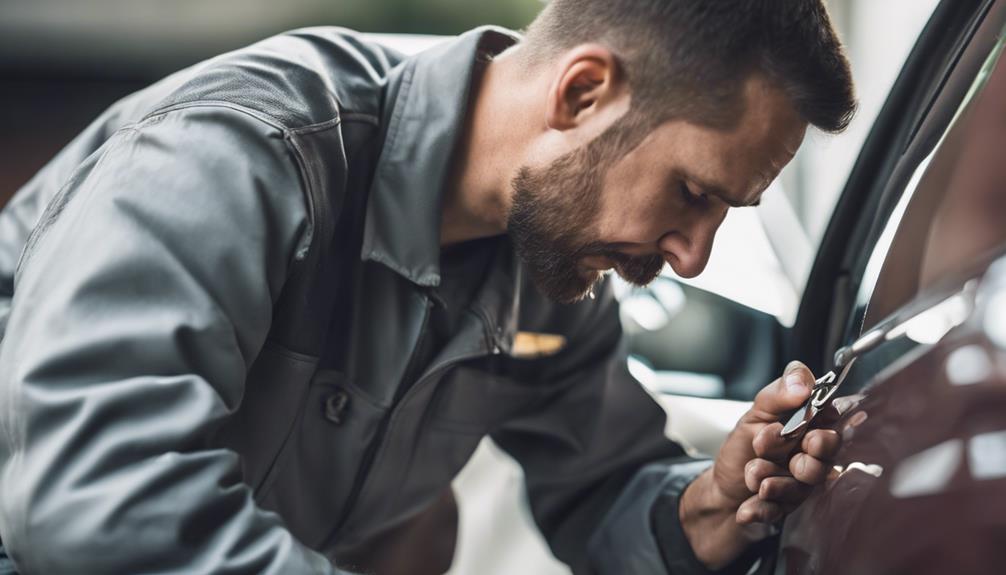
x=266 y=308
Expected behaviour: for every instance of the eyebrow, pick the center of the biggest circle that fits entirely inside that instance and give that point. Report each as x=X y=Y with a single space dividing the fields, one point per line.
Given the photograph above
x=721 y=193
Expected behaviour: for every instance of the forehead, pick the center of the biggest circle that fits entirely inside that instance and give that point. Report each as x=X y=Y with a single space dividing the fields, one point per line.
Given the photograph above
x=743 y=159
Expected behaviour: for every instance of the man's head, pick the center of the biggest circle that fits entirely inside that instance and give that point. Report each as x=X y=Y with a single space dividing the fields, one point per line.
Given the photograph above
x=659 y=116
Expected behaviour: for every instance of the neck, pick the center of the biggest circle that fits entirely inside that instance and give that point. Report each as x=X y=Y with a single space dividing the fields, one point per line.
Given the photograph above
x=477 y=195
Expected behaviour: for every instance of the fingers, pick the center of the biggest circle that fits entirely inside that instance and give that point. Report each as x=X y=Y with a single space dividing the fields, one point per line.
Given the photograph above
x=776 y=476
x=770 y=444
x=785 y=490
x=818 y=449
x=774 y=482
x=754 y=510
x=784 y=394
x=776 y=496
x=821 y=443
x=808 y=469
x=784 y=470
x=757 y=470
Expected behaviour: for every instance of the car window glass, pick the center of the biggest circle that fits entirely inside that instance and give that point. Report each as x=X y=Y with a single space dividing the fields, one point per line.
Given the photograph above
x=954 y=207
x=950 y=216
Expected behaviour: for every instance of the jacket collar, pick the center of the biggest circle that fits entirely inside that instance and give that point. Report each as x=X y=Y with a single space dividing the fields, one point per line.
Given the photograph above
x=427 y=102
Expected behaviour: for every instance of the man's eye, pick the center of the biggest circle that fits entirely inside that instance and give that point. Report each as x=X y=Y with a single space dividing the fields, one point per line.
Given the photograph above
x=689 y=196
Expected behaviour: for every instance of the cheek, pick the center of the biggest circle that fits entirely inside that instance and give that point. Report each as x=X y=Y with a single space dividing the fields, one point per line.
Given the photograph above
x=642 y=214
x=636 y=203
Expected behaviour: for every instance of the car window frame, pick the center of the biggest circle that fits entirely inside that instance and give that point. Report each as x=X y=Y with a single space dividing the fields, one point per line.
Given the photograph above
x=876 y=267
x=897 y=143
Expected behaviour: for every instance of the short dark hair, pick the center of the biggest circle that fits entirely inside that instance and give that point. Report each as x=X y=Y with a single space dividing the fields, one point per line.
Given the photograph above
x=690 y=58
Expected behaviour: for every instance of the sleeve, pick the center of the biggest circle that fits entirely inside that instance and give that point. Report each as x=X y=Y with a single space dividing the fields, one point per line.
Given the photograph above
x=24 y=209
x=601 y=473
x=143 y=295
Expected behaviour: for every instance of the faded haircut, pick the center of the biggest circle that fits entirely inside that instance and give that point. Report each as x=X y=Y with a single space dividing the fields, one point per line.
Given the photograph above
x=690 y=58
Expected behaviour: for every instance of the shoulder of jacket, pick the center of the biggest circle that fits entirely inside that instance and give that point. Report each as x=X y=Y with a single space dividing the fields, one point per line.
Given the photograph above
x=299 y=79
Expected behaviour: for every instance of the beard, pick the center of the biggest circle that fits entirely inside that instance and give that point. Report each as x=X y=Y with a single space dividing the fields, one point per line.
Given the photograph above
x=553 y=212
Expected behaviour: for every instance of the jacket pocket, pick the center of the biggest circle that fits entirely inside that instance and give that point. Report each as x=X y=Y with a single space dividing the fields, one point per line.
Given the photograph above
x=314 y=474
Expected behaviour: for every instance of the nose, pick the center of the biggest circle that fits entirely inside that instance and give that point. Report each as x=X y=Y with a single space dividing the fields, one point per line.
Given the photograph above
x=687 y=250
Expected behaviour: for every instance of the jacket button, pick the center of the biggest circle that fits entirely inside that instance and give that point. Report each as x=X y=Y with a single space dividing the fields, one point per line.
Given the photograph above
x=335 y=405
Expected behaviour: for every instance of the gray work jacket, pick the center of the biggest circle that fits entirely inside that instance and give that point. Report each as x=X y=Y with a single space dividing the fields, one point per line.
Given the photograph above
x=167 y=402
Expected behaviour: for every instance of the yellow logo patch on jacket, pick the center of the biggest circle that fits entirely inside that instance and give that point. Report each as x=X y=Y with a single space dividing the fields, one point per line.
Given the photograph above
x=528 y=344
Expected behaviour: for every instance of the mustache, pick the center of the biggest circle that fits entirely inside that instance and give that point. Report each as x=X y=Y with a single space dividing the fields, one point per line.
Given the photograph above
x=612 y=252
x=638 y=270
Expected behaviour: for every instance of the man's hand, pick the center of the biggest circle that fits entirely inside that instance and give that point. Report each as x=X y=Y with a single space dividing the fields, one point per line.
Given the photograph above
x=758 y=476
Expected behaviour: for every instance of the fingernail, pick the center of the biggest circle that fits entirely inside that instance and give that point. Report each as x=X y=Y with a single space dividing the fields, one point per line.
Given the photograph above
x=795 y=383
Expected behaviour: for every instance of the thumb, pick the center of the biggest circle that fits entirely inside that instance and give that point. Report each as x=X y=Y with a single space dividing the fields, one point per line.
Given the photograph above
x=784 y=394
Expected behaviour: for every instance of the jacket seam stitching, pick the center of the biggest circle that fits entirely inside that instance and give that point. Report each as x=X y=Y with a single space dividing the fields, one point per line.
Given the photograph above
x=258 y=115
x=315 y=128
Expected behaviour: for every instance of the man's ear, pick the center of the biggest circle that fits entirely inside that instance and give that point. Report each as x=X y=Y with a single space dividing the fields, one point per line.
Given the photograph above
x=588 y=84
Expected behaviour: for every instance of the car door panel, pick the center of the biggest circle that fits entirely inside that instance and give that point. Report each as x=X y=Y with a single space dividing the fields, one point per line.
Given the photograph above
x=925 y=442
